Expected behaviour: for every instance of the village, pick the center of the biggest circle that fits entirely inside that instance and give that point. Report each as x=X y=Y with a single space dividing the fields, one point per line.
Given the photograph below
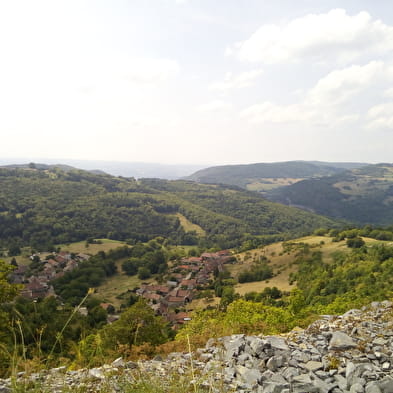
x=185 y=278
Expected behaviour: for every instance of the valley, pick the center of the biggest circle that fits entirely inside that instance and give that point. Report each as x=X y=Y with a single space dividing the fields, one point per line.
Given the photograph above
x=96 y=254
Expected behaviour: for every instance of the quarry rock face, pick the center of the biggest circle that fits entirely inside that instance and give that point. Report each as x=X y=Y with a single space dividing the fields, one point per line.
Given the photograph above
x=351 y=353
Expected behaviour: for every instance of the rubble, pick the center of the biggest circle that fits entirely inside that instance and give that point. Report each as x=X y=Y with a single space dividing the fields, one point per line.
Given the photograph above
x=351 y=353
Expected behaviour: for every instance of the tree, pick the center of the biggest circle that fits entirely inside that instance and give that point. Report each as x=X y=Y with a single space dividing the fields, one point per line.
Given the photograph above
x=14 y=250
x=130 y=267
x=7 y=291
x=355 y=242
x=136 y=326
x=143 y=273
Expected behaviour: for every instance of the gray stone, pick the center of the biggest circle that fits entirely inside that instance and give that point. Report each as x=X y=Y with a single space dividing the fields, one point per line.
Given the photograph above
x=233 y=346
x=272 y=364
x=341 y=340
x=379 y=341
x=386 y=366
x=119 y=362
x=342 y=382
x=273 y=387
x=275 y=384
x=302 y=378
x=257 y=345
x=279 y=379
x=302 y=387
x=249 y=376
x=267 y=375
x=313 y=366
x=300 y=356
x=372 y=387
x=350 y=371
x=386 y=384
x=131 y=365
x=356 y=388
x=289 y=373
x=97 y=373
x=277 y=343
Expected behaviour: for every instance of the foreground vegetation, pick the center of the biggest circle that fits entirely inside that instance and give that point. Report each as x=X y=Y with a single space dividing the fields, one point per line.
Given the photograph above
x=47 y=332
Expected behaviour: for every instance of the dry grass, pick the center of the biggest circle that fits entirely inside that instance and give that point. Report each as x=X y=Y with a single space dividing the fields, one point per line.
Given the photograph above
x=188 y=226
x=282 y=262
x=269 y=184
x=92 y=249
x=116 y=285
x=78 y=247
x=199 y=304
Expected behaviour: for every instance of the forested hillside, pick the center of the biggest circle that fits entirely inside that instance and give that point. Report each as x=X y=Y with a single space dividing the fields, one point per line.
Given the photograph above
x=41 y=208
x=265 y=176
x=363 y=195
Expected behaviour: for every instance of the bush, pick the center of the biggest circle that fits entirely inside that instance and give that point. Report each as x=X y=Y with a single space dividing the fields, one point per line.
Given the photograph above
x=355 y=242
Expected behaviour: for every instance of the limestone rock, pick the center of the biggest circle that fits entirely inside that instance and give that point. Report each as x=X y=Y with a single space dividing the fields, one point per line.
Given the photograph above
x=341 y=340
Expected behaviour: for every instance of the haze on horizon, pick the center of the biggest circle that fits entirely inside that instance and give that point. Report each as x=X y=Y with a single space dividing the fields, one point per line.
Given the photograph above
x=196 y=81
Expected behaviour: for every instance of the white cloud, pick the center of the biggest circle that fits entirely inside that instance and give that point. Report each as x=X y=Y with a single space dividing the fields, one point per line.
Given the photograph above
x=381 y=116
x=330 y=101
x=244 y=79
x=214 y=106
x=341 y=85
x=335 y=35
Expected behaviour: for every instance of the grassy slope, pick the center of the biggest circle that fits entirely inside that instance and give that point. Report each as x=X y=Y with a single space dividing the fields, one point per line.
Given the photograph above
x=188 y=226
x=282 y=263
x=116 y=285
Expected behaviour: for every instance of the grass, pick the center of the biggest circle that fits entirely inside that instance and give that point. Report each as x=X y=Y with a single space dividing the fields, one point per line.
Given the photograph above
x=142 y=381
x=268 y=184
x=282 y=262
x=116 y=285
x=77 y=247
x=188 y=226
x=80 y=247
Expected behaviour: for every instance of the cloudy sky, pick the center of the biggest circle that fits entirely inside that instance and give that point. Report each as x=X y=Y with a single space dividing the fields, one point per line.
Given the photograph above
x=197 y=81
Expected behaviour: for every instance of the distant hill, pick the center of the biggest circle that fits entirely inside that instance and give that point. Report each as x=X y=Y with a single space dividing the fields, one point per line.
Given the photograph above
x=266 y=176
x=115 y=168
x=363 y=195
x=47 y=167
x=45 y=207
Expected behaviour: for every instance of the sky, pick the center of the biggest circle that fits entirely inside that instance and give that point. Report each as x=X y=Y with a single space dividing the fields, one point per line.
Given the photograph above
x=197 y=81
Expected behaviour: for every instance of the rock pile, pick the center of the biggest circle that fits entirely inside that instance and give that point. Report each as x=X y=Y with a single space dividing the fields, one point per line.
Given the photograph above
x=351 y=353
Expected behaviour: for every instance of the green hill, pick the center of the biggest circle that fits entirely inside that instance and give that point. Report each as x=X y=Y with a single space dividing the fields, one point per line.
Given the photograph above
x=45 y=207
x=267 y=176
x=363 y=195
